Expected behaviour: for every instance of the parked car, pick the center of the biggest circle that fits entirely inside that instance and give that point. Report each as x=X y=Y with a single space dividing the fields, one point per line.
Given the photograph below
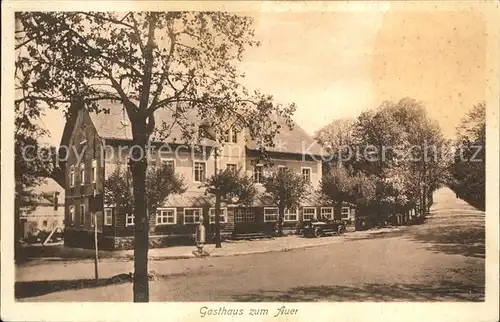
x=320 y=228
x=58 y=235
x=34 y=236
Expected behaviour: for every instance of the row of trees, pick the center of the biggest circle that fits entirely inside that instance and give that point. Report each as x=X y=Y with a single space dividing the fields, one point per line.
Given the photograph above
x=468 y=167
x=389 y=160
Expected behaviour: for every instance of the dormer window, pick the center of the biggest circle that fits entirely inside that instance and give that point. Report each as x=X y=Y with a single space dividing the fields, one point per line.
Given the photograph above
x=230 y=136
x=234 y=136
x=226 y=136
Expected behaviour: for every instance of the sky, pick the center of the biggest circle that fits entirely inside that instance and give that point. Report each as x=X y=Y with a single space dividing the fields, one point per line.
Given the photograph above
x=338 y=64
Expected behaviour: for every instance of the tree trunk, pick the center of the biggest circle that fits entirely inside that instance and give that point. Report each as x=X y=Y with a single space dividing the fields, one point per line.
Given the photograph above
x=141 y=233
x=138 y=166
x=217 y=221
x=96 y=257
x=424 y=201
x=281 y=215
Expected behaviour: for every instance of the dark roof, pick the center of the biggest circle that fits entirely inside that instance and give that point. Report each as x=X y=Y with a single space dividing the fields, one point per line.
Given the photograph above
x=200 y=199
x=116 y=125
x=295 y=141
x=45 y=193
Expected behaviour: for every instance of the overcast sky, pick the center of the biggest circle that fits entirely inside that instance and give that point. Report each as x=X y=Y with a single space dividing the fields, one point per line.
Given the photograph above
x=337 y=64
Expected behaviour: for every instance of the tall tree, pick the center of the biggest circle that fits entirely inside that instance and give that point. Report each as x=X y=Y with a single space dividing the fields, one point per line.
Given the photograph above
x=229 y=186
x=404 y=149
x=341 y=185
x=181 y=61
x=33 y=161
x=468 y=169
x=161 y=182
x=336 y=138
x=286 y=188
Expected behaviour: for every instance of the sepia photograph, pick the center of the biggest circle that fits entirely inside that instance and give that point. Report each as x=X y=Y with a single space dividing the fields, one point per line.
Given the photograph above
x=250 y=160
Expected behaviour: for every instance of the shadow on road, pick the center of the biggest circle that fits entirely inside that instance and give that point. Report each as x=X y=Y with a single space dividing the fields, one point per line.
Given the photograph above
x=445 y=291
x=455 y=240
x=38 y=288
x=469 y=241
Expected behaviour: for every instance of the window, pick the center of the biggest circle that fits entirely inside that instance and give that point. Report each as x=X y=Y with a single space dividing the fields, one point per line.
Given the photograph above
x=234 y=136
x=222 y=215
x=231 y=167
x=82 y=174
x=44 y=224
x=258 y=175
x=270 y=214
x=169 y=162
x=290 y=215
x=72 y=176
x=199 y=171
x=281 y=168
x=82 y=215
x=327 y=212
x=129 y=220
x=345 y=212
x=166 y=216
x=72 y=215
x=230 y=136
x=94 y=171
x=225 y=136
x=192 y=215
x=308 y=213
x=108 y=216
x=244 y=215
x=306 y=174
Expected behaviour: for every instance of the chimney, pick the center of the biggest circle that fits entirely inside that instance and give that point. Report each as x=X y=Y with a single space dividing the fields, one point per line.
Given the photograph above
x=56 y=200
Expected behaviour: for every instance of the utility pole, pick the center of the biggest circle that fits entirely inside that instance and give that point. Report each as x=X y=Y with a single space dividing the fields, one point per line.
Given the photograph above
x=96 y=259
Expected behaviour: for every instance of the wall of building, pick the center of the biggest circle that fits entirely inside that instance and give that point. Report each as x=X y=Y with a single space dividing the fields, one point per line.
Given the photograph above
x=293 y=163
x=85 y=148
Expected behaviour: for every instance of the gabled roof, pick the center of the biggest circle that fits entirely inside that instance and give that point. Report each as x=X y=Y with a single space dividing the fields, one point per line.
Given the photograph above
x=46 y=190
x=295 y=141
x=116 y=125
x=199 y=198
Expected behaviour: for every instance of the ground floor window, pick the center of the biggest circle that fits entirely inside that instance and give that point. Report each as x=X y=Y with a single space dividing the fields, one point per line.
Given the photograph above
x=82 y=215
x=222 y=215
x=327 y=212
x=108 y=216
x=72 y=215
x=244 y=215
x=129 y=220
x=308 y=213
x=270 y=214
x=291 y=215
x=192 y=215
x=345 y=212
x=166 y=216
